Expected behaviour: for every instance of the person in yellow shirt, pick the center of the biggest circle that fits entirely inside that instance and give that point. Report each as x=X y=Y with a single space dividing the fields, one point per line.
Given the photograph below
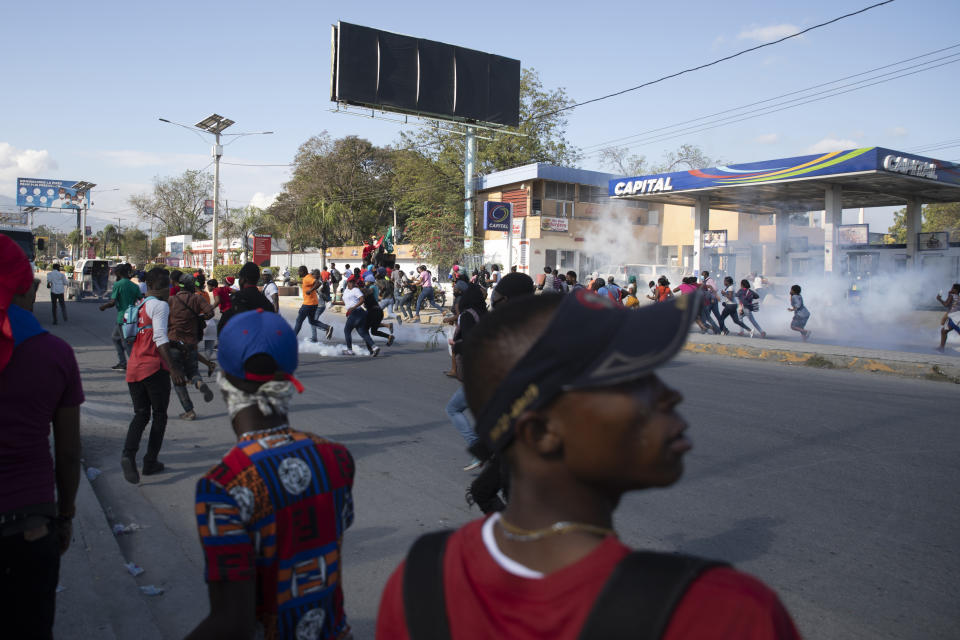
x=630 y=300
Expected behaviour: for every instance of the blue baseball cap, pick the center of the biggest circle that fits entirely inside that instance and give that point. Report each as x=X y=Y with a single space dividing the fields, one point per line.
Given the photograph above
x=257 y=332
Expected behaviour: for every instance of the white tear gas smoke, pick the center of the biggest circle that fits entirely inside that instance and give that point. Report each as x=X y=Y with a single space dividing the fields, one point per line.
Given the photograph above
x=894 y=311
x=610 y=243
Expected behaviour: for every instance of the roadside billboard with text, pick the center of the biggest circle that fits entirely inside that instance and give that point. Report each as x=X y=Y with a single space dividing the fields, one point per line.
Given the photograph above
x=50 y=194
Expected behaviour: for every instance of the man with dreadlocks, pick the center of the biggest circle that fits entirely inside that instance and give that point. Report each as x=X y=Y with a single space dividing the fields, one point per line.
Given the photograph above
x=273 y=512
x=579 y=427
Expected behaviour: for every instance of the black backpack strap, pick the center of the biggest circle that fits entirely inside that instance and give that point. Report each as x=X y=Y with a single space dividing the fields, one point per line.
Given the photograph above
x=638 y=600
x=424 y=604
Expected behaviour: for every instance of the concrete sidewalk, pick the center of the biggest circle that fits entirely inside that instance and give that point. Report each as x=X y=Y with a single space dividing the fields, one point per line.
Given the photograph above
x=99 y=597
x=932 y=366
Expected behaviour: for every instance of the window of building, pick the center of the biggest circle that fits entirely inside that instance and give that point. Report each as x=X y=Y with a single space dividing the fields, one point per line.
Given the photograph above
x=653 y=217
x=564 y=209
x=560 y=191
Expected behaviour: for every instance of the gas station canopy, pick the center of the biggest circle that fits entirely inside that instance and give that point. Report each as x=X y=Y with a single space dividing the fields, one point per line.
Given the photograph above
x=868 y=177
x=831 y=182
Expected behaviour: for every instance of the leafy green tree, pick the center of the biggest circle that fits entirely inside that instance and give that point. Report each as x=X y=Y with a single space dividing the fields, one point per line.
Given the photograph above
x=934 y=217
x=136 y=246
x=428 y=173
x=176 y=204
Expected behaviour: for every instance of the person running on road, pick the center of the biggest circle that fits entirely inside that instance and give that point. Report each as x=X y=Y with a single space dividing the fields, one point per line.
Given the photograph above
x=580 y=433
x=652 y=294
x=951 y=318
x=57 y=283
x=40 y=386
x=426 y=291
x=189 y=314
x=272 y=513
x=663 y=289
x=149 y=373
x=730 y=308
x=125 y=294
x=247 y=296
x=747 y=299
x=375 y=315
x=310 y=284
x=800 y=312
x=472 y=305
x=356 y=317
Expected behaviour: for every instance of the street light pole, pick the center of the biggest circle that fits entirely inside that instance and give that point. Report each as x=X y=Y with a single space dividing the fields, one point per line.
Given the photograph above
x=215 y=124
x=217 y=153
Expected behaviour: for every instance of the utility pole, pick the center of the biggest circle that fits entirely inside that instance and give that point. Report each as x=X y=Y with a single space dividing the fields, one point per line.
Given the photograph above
x=217 y=153
x=469 y=164
x=118 y=239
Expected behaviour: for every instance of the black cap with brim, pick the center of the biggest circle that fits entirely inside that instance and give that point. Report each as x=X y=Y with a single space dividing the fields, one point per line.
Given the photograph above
x=590 y=343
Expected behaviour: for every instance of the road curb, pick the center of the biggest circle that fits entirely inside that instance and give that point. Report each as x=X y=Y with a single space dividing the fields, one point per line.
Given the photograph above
x=100 y=599
x=826 y=360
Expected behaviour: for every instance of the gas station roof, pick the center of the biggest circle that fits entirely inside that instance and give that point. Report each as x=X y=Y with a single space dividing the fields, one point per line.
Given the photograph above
x=869 y=177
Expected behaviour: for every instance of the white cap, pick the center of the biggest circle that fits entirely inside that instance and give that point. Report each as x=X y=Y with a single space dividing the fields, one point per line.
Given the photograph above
x=267 y=272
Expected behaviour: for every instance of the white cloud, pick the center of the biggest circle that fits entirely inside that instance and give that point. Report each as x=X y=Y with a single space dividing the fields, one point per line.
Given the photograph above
x=22 y=163
x=262 y=200
x=898 y=131
x=767 y=138
x=767 y=33
x=832 y=144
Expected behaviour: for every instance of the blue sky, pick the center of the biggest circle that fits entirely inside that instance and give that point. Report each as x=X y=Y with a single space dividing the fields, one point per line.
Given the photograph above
x=87 y=81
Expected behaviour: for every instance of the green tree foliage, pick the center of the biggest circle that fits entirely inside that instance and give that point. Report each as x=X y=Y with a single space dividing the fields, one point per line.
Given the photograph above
x=135 y=245
x=428 y=172
x=176 y=204
x=935 y=217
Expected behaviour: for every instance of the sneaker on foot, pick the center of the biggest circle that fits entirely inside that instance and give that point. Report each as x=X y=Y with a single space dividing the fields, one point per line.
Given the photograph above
x=399 y=320
x=206 y=391
x=347 y=352
x=152 y=468
x=375 y=352
x=129 y=466
x=188 y=415
x=120 y=366
x=474 y=464
x=415 y=320
x=390 y=340
x=329 y=332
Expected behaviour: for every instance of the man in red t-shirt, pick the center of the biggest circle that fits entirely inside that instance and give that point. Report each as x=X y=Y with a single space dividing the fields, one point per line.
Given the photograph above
x=578 y=428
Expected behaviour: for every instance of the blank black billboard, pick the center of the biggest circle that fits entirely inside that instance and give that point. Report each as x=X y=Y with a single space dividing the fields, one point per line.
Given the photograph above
x=374 y=68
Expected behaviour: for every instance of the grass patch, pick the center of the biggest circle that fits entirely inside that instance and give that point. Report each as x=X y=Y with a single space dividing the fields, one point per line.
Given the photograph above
x=819 y=362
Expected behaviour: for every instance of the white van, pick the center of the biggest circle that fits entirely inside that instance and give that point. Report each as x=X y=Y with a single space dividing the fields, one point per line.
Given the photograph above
x=90 y=278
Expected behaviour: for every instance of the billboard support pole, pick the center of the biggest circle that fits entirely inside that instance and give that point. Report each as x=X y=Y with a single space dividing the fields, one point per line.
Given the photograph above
x=469 y=162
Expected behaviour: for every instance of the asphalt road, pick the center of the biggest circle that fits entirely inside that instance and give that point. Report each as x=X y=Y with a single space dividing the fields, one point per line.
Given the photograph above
x=838 y=489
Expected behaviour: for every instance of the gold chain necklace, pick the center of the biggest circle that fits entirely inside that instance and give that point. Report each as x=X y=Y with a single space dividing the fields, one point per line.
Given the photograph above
x=513 y=532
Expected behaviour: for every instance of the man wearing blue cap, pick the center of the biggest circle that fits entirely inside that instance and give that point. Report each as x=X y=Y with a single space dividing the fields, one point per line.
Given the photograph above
x=577 y=428
x=272 y=513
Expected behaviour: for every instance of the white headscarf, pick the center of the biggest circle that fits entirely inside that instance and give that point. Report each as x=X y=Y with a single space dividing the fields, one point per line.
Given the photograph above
x=272 y=397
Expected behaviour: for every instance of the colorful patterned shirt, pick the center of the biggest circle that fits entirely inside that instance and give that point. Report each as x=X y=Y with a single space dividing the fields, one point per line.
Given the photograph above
x=274 y=510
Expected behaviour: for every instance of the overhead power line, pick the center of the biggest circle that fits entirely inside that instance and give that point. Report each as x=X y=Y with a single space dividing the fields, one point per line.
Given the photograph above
x=790 y=104
x=710 y=64
x=788 y=94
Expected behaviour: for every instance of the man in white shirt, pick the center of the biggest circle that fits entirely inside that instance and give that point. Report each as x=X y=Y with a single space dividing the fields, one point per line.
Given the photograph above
x=270 y=289
x=57 y=283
